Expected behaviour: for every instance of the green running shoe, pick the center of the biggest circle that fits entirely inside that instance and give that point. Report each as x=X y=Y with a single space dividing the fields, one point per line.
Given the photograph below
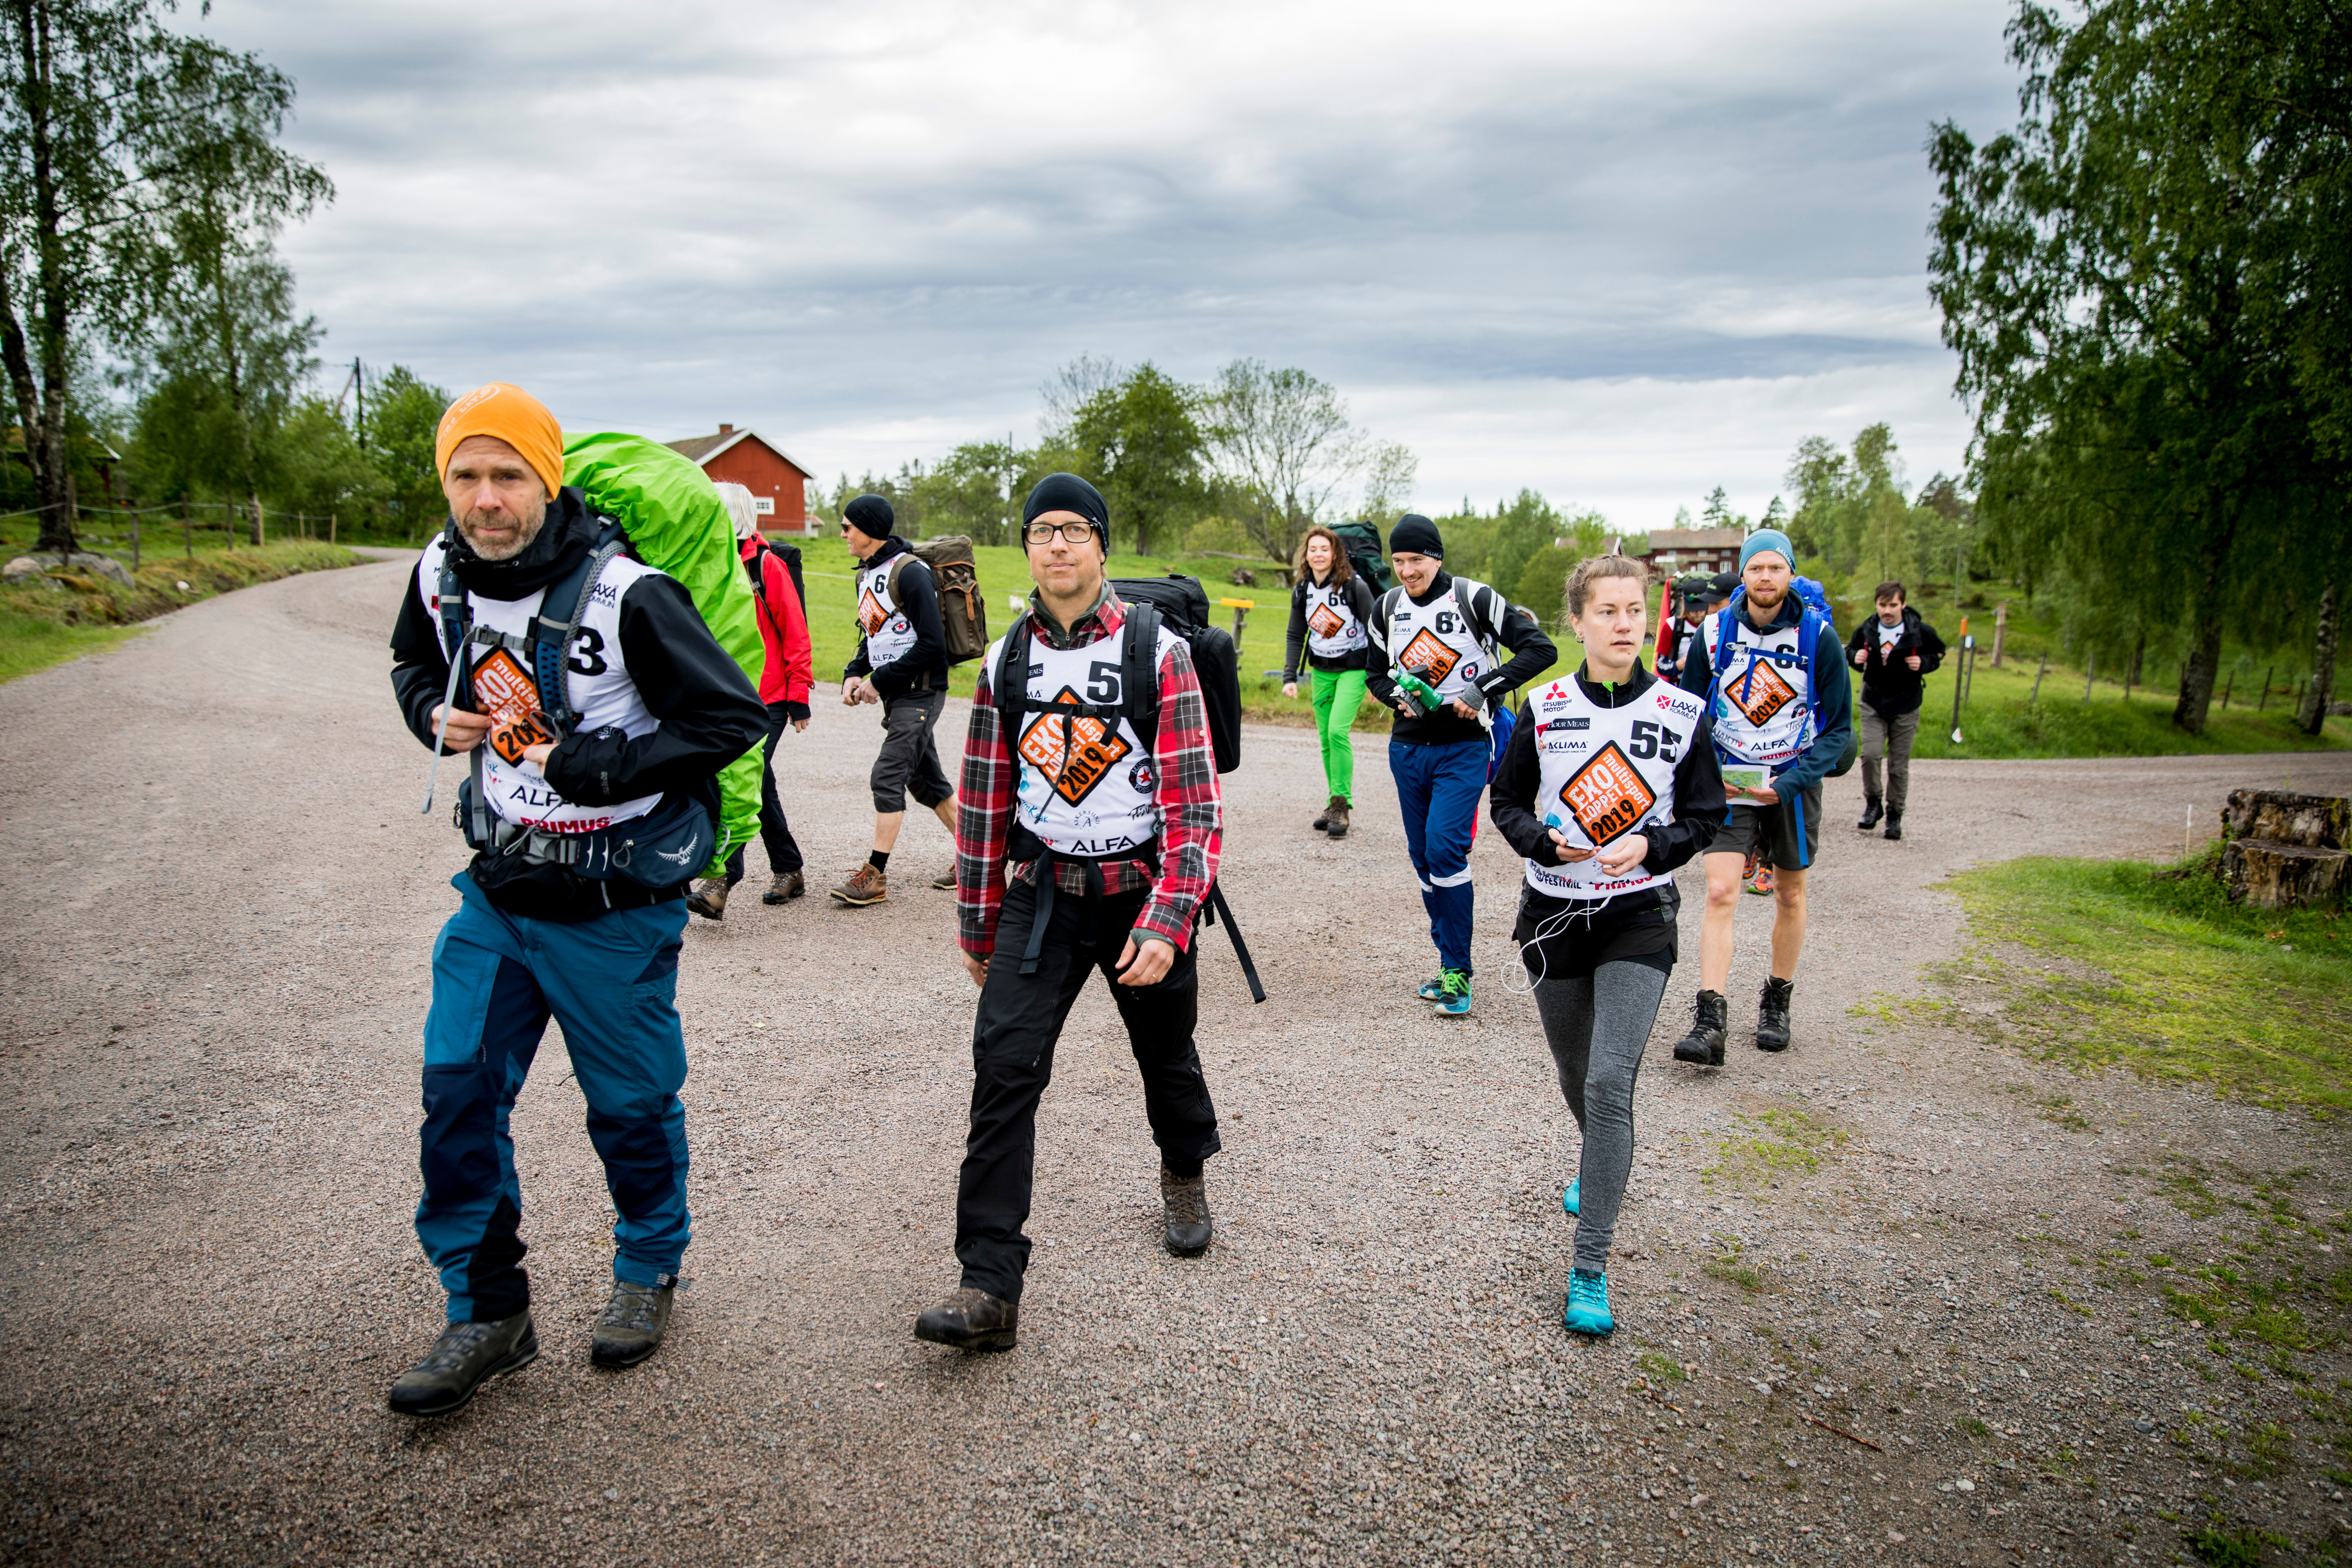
x=1455 y=999
x=1432 y=989
x=1588 y=1304
x=1568 y=1200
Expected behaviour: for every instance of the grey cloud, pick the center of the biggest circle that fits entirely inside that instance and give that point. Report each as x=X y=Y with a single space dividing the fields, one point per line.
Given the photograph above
x=813 y=219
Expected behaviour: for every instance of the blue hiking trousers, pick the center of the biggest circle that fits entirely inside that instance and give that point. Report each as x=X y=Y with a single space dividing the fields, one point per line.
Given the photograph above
x=1438 y=789
x=612 y=982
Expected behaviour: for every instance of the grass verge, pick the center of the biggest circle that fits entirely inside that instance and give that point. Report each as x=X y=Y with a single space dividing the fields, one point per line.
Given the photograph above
x=48 y=620
x=2149 y=967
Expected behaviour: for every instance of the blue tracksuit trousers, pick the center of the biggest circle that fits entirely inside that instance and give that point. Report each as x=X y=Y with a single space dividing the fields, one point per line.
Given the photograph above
x=612 y=982
x=1438 y=789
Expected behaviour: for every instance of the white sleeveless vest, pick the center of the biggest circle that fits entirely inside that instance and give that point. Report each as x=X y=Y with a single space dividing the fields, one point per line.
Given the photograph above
x=596 y=684
x=1082 y=786
x=1435 y=641
x=889 y=633
x=1763 y=702
x=1607 y=772
x=1332 y=629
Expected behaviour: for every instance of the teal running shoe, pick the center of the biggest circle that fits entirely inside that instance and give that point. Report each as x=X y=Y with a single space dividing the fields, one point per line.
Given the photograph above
x=1430 y=990
x=1568 y=1200
x=1588 y=1304
x=1455 y=996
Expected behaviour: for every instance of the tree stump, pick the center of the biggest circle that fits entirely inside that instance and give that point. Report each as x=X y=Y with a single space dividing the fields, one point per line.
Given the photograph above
x=2314 y=821
x=2274 y=876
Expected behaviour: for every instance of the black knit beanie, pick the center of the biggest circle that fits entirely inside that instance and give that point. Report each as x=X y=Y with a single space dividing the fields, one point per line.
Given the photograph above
x=1067 y=492
x=871 y=515
x=1415 y=535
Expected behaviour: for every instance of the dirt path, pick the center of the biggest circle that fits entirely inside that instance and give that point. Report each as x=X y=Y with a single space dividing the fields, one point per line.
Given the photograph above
x=222 y=902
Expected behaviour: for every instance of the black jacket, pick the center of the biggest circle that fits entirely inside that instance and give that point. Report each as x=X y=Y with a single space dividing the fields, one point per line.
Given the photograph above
x=1609 y=928
x=1359 y=599
x=1890 y=687
x=710 y=712
x=1513 y=628
x=918 y=594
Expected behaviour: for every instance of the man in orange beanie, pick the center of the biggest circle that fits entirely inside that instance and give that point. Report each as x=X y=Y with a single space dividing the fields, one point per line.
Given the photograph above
x=596 y=709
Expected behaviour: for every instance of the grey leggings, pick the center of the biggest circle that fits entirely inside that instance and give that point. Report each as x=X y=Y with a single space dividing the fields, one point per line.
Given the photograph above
x=1597 y=1026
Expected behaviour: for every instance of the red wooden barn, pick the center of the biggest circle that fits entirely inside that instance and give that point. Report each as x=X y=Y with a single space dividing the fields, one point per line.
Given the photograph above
x=777 y=485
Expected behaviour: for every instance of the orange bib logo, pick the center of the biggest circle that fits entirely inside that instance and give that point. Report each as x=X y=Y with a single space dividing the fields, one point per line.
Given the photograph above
x=1607 y=796
x=1429 y=657
x=1760 y=693
x=870 y=612
x=503 y=688
x=1325 y=623
x=1074 y=754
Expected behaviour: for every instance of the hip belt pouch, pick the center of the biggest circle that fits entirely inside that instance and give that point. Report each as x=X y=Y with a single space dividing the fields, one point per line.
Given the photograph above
x=660 y=849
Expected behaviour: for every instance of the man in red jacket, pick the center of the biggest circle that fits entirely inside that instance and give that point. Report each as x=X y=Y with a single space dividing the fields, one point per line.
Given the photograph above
x=784 y=688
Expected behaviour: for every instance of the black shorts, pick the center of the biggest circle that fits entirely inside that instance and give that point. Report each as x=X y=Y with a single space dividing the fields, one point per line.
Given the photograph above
x=1790 y=832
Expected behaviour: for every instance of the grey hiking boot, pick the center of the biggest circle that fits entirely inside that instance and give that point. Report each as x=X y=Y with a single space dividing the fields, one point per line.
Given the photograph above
x=945 y=880
x=787 y=885
x=708 y=898
x=864 y=886
x=634 y=1322
x=1323 y=822
x=1186 y=1199
x=465 y=1356
x=972 y=1319
x=1338 y=818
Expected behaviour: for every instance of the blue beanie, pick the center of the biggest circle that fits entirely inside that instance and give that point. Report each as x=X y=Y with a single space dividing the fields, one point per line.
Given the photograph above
x=1770 y=539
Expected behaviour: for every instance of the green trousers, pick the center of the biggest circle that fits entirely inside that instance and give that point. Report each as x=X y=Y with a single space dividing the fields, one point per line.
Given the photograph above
x=1337 y=694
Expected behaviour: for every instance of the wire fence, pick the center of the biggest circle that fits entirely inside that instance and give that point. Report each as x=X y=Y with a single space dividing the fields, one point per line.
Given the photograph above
x=254 y=521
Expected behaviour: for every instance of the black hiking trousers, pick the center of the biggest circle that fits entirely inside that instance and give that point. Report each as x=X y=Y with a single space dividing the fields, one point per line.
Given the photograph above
x=1012 y=1039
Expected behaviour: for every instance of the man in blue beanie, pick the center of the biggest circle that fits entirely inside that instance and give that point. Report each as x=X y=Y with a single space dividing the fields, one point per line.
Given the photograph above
x=1774 y=673
x=1435 y=656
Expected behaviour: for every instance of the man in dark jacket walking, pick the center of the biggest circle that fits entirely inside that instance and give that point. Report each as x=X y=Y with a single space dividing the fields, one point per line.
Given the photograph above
x=1895 y=650
x=901 y=664
x=587 y=822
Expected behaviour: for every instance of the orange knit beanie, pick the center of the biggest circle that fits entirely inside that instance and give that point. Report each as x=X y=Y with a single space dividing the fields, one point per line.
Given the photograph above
x=512 y=416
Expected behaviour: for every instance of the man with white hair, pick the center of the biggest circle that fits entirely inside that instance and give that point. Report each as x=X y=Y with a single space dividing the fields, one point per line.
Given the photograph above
x=785 y=684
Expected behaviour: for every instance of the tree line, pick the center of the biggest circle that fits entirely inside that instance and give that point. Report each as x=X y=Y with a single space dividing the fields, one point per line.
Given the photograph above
x=1262 y=452
x=2149 y=283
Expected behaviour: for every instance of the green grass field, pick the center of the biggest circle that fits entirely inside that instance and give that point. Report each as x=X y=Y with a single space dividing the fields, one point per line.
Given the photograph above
x=2095 y=964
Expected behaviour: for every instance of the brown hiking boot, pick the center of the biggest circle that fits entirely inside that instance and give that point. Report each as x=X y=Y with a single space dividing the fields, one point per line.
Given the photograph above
x=1339 y=828
x=1186 y=1199
x=787 y=885
x=972 y=1321
x=708 y=898
x=1323 y=818
x=866 y=886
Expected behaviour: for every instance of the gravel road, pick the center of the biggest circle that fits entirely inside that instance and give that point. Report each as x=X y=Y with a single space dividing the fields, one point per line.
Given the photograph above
x=225 y=898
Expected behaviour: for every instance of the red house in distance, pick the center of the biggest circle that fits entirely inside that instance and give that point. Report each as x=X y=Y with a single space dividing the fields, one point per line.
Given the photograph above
x=777 y=485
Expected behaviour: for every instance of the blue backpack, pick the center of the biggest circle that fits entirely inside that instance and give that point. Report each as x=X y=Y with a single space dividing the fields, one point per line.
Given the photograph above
x=1816 y=619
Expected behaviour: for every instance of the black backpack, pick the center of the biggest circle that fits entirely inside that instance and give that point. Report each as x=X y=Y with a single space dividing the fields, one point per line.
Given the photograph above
x=1362 y=542
x=1182 y=605
x=790 y=554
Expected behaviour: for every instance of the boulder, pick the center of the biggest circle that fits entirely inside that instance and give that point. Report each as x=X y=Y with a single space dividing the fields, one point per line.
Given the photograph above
x=84 y=562
x=2311 y=821
x=2273 y=876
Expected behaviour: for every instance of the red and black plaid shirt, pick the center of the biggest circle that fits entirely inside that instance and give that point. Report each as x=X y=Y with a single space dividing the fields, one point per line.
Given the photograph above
x=1183 y=788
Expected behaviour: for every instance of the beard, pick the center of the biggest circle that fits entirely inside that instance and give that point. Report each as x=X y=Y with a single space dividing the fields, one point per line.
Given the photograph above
x=469 y=525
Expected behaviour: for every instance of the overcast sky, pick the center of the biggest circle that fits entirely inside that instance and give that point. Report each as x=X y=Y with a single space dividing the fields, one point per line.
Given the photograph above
x=1619 y=253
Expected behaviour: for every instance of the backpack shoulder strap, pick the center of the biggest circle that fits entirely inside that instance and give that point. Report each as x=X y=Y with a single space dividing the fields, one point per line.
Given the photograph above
x=1012 y=685
x=1139 y=672
x=1383 y=608
x=550 y=637
x=1466 y=595
x=1810 y=627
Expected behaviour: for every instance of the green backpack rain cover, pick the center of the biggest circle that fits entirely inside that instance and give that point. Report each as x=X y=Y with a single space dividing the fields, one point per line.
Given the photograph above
x=677 y=524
